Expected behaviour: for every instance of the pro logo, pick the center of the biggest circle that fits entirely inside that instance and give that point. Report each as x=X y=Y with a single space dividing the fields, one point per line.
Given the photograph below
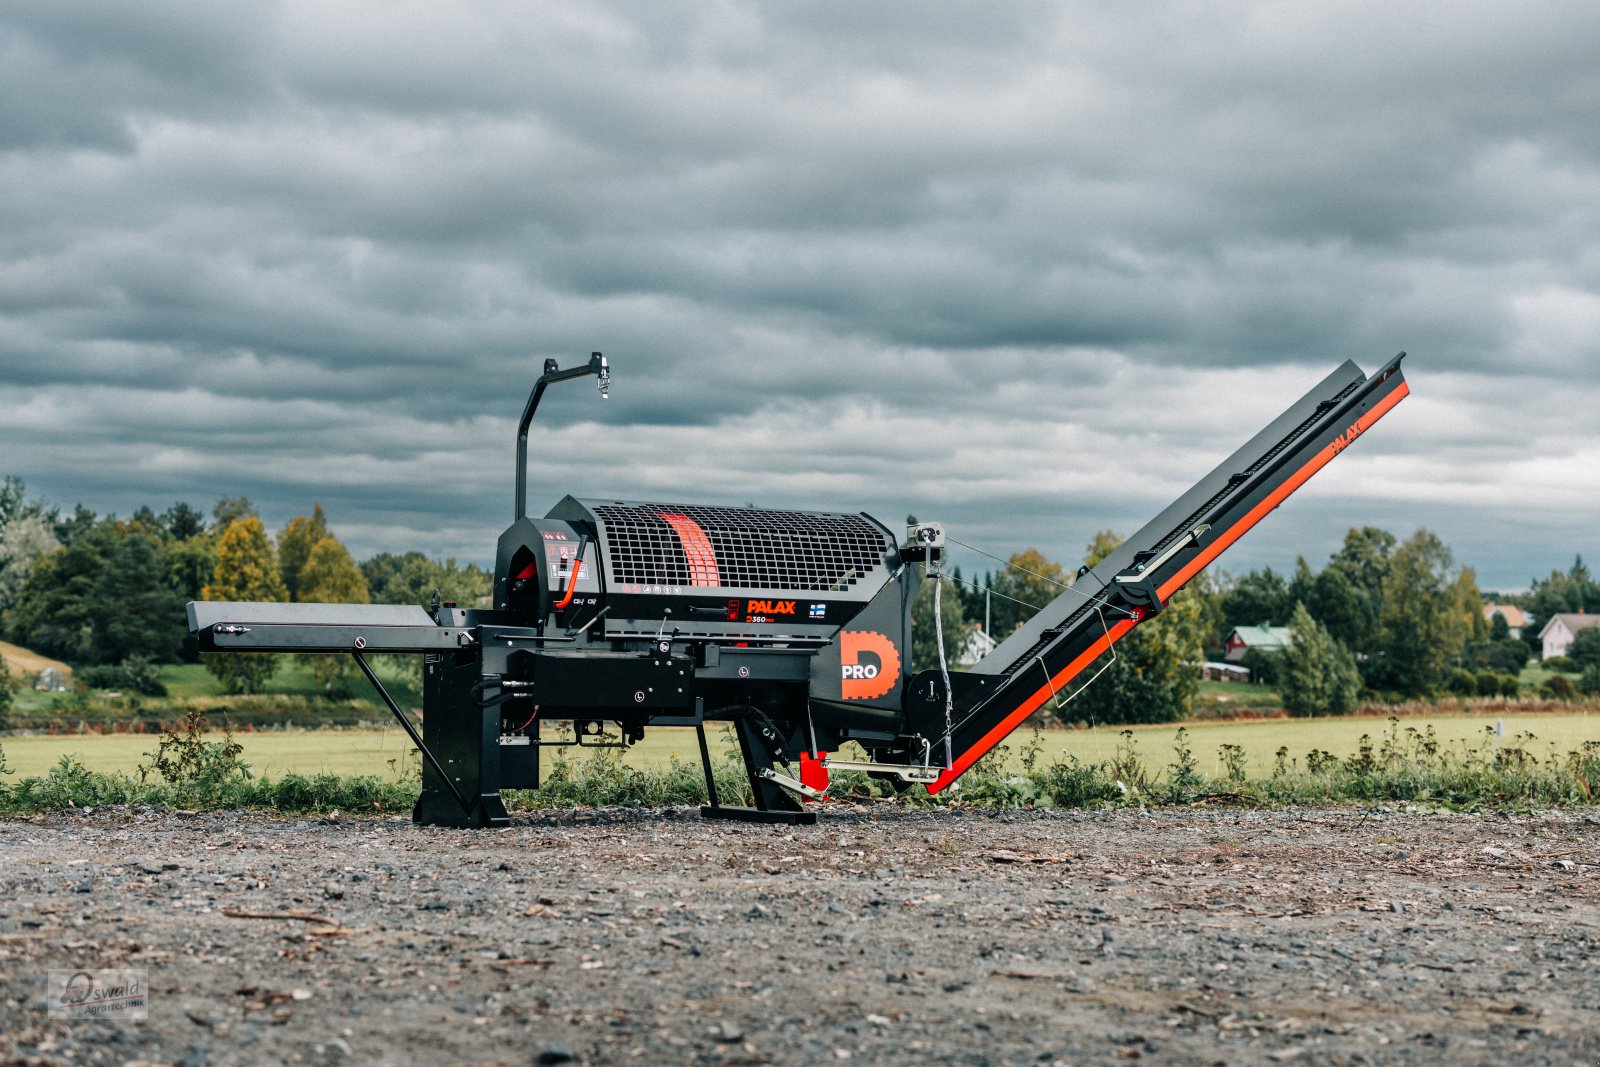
x=870 y=664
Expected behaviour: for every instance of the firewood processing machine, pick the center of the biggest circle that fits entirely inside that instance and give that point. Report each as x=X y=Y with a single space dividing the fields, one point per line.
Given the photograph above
x=794 y=627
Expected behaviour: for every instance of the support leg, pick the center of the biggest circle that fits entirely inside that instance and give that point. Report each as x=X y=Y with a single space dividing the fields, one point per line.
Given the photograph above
x=705 y=764
x=773 y=802
x=461 y=787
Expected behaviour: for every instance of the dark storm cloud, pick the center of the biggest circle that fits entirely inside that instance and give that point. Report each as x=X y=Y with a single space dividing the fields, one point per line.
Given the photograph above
x=1031 y=267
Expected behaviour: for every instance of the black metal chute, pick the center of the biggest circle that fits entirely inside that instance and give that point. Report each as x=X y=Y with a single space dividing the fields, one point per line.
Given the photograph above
x=255 y=626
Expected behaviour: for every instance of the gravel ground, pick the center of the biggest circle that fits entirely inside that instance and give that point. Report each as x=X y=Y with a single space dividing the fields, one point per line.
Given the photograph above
x=878 y=936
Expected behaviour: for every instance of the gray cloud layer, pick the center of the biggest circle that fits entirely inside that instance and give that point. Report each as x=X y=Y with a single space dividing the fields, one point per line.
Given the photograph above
x=1028 y=268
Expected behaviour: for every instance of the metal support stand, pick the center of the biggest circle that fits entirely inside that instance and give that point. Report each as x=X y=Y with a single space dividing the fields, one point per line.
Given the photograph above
x=462 y=779
x=705 y=763
x=416 y=738
x=773 y=803
x=788 y=818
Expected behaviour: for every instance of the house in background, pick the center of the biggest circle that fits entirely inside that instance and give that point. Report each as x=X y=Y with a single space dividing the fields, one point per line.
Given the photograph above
x=977 y=645
x=1266 y=638
x=51 y=680
x=1558 y=633
x=1212 y=671
x=1515 y=617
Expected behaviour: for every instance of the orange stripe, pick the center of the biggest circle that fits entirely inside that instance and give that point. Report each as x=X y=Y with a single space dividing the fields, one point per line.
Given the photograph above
x=697 y=550
x=1171 y=586
x=1278 y=495
x=1029 y=706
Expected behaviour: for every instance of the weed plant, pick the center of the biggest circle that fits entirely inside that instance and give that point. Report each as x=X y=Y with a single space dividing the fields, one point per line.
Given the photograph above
x=188 y=772
x=600 y=778
x=1401 y=765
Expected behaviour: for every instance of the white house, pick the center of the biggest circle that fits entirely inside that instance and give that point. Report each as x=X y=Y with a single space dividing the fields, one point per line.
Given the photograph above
x=1558 y=633
x=1515 y=617
x=977 y=645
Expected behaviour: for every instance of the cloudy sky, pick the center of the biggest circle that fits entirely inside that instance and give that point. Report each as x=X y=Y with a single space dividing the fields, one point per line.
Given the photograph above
x=1029 y=269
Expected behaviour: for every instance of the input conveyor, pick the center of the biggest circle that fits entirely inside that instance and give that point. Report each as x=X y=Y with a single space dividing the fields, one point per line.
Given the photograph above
x=1046 y=659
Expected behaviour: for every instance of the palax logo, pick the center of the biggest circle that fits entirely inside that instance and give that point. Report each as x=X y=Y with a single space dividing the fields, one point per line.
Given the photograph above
x=862 y=679
x=771 y=607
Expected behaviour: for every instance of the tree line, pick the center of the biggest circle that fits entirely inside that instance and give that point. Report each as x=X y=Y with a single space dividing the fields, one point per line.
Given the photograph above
x=1383 y=619
x=107 y=593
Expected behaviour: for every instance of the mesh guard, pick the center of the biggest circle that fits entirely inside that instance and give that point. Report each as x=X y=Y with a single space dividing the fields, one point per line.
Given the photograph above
x=737 y=548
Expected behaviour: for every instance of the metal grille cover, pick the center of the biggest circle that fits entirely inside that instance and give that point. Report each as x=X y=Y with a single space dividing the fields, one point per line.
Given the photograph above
x=737 y=548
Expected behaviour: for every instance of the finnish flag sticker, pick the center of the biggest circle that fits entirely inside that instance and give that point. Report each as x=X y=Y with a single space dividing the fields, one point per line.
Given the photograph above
x=818 y=610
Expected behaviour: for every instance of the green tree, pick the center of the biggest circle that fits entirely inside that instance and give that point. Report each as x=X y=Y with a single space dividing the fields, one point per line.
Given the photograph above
x=295 y=543
x=183 y=522
x=1508 y=655
x=1151 y=674
x=1585 y=648
x=1259 y=598
x=23 y=543
x=1029 y=582
x=145 y=520
x=1266 y=668
x=191 y=563
x=1207 y=597
x=924 y=635
x=101 y=598
x=1351 y=617
x=229 y=510
x=247 y=569
x=137 y=614
x=1499 y=629
x=80 y=522
x=1563 y=593
x=412 y=578
x=1364 y=559
x=1300 y=585
x=50 y=612
x=8 y=689
x=1499 y=651
x=1426 y=617
x=330 y=576
x=15 y=506
x=13 y=495
x=1588 y=589
x=970 y=592
x=1319 y=674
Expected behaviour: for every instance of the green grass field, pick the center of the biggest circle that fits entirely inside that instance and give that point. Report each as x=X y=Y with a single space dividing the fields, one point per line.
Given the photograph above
x=384 y=752
x=293 y=678
x=1261 y=739
x=191 y=682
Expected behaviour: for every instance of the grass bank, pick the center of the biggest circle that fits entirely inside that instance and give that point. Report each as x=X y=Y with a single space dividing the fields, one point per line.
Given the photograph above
x=1397 y=762
x=294 y=699
x=374 y=751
